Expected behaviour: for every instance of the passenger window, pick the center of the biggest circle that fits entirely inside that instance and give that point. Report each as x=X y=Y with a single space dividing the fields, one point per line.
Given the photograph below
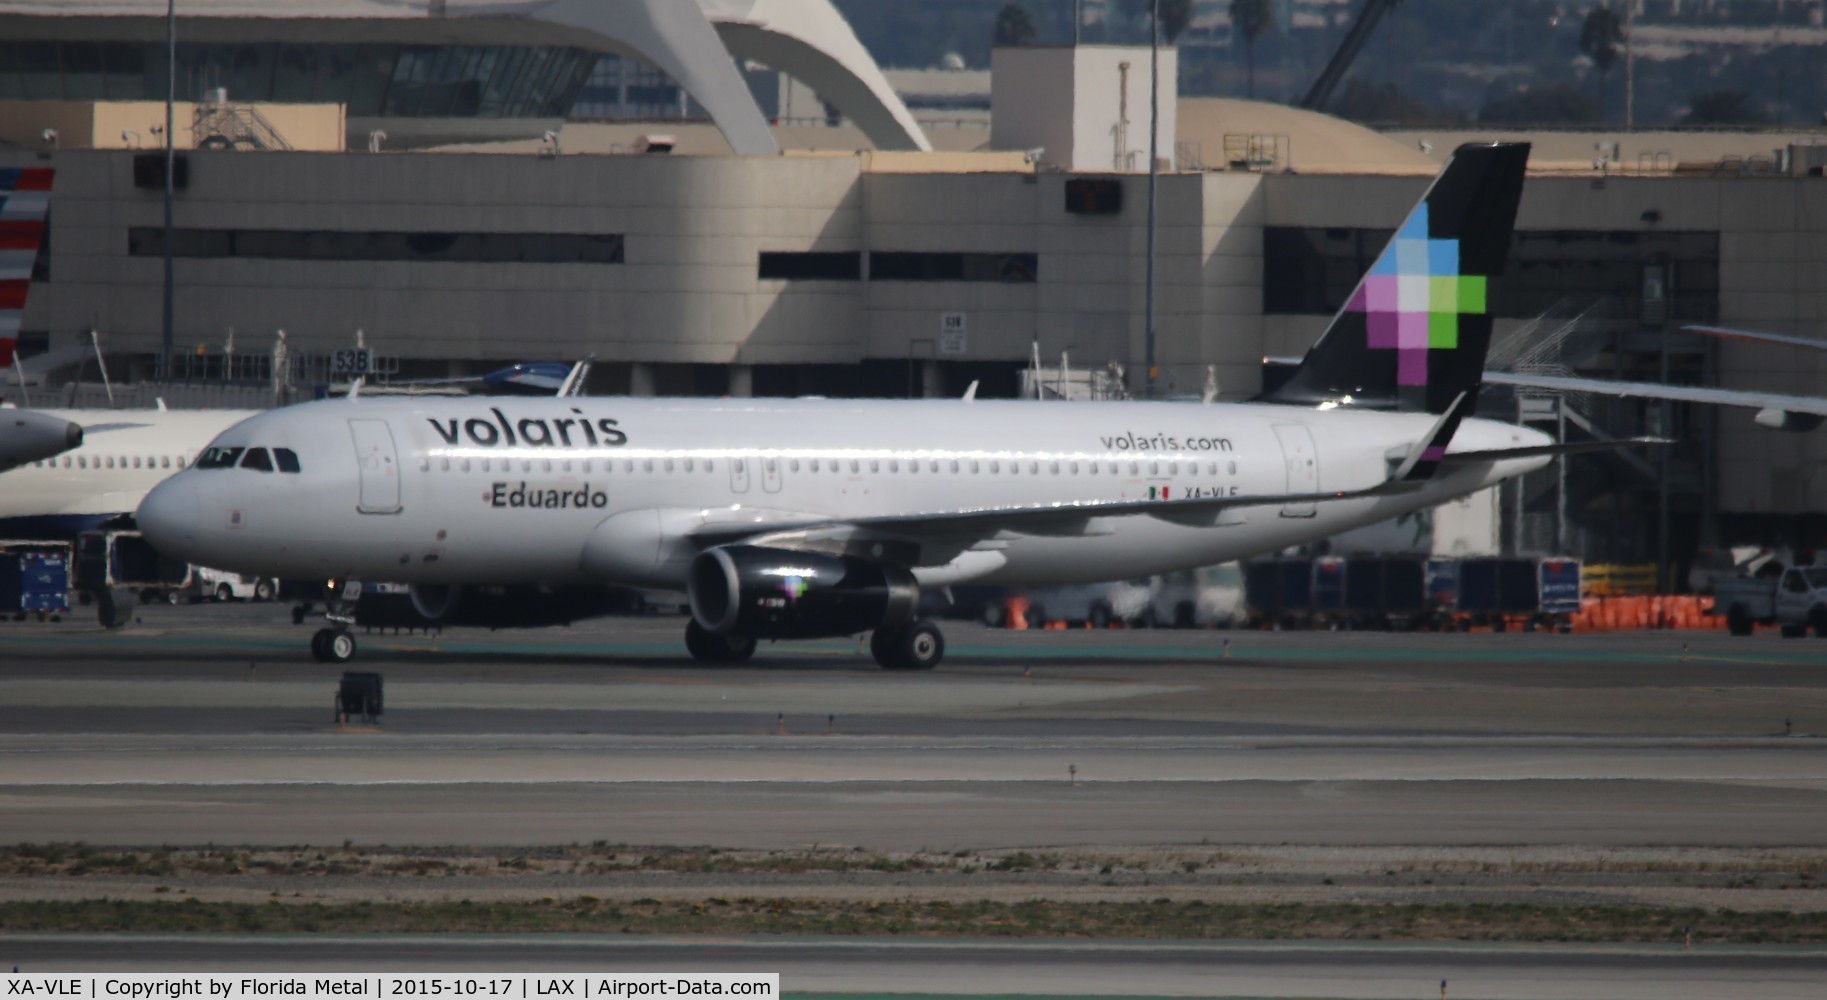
x=913 y=466
x=1173 y=468
x=1053 y=467
x=1154 y=468
x=110 y=461
x=1135 y=468
x=425 y=463
x=668 y=464
x=443 y=465
x=792 y=465
x=855 y=466
x=66 y=463
x=1034 y=468
x=874 y=466
x=933 y=466
x=647 y=465
x=894 y=465
x=548 y=465
x=954 y=466
x=463 y=465
x=974 y=467
x=136 y=461
x=688 y=466
x=813 y=465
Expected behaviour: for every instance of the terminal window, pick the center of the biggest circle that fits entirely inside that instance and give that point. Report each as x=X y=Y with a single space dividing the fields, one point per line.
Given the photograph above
x=1008 y=268
x=1312 y=271
x=811 y=265
x=301 y=244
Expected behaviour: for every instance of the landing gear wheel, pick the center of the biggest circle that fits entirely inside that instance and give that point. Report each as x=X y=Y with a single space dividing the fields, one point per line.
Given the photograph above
x=708 y=648
x=333 y=645
x=919 y=646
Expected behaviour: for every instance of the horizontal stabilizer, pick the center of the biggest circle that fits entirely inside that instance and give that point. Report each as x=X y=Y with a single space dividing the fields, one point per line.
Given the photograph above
x=1555 y=450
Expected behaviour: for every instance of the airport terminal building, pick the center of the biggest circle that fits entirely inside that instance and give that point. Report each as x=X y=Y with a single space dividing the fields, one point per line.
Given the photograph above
x=736 y=257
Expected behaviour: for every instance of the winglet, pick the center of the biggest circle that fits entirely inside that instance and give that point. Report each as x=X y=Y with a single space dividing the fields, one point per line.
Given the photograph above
x=1425 y=455
x=573 y=384
x=970 y=392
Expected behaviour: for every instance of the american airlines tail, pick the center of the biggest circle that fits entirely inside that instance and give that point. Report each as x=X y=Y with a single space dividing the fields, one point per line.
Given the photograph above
x=25 y=195
x=1413 y=335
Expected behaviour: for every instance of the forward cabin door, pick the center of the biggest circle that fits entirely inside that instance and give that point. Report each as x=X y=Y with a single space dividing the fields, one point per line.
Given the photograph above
x=379 y=465
x=1302 y=461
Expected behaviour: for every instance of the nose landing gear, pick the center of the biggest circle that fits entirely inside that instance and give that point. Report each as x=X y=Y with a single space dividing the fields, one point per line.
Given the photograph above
x=336 y=644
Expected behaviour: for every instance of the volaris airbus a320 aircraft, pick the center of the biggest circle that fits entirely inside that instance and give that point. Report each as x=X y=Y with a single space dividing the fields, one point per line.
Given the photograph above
x=815 y=518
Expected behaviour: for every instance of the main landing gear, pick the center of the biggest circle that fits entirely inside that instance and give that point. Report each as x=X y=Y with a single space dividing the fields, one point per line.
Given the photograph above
x=707 y=648
x=335 y=643
x=914 y=646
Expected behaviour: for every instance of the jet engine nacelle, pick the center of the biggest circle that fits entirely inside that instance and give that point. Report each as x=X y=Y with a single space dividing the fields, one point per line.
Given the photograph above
x=767 y=593
x=27 y=436
x=1787 y=420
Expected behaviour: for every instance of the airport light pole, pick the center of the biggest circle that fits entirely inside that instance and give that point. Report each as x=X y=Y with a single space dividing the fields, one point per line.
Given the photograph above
x=1154 y=133
x=171 y=97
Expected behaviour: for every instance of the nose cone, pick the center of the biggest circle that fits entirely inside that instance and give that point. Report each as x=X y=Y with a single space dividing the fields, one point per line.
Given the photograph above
x=168 y=518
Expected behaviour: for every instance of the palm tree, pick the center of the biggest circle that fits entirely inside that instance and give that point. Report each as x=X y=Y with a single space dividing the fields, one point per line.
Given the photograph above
x=1175 y=15
x=1251 y=19
x=1014 y=25
x=1600 y=35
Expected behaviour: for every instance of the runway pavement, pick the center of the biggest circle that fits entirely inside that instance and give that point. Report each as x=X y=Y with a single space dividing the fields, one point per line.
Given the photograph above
x=210 y=725
x=914 y=968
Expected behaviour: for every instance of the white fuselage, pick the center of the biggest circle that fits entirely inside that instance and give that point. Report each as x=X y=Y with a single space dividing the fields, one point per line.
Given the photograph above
x=124 y=453
x=514 y=490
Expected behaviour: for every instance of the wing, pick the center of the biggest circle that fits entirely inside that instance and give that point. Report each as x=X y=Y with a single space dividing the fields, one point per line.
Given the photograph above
x=1758 y=337
x=1811 y=405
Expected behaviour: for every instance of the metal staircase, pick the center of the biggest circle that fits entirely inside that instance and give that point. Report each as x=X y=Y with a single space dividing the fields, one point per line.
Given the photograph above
x=222 y=125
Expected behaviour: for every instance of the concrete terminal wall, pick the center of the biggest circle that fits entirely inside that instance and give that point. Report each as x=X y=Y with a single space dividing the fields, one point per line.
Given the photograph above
x=689 y=290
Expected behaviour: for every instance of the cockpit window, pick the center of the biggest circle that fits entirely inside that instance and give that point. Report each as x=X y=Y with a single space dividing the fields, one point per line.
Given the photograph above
x=257 y=459
x=219 y=458
x=287 y=459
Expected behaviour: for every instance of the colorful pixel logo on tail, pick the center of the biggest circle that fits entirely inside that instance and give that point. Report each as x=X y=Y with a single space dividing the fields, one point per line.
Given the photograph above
x=25 y=195
x=1413 y=334
x=1413 y=297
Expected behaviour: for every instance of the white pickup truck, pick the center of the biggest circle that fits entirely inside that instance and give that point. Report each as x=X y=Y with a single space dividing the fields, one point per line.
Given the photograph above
x=1795 y=599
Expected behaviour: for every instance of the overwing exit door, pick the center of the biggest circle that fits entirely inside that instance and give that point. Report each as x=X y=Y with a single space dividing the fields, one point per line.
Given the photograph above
x=1302 y=461
x=379 y=465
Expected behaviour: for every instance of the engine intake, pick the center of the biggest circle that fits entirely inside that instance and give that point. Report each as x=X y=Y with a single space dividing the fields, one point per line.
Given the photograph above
x=767 y=593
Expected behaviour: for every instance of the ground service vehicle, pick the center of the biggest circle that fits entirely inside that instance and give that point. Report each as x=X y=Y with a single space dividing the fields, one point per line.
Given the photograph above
x=1792 y=598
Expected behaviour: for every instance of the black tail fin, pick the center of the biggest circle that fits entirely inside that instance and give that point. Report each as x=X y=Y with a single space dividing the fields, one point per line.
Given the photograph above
x=1413 y=334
